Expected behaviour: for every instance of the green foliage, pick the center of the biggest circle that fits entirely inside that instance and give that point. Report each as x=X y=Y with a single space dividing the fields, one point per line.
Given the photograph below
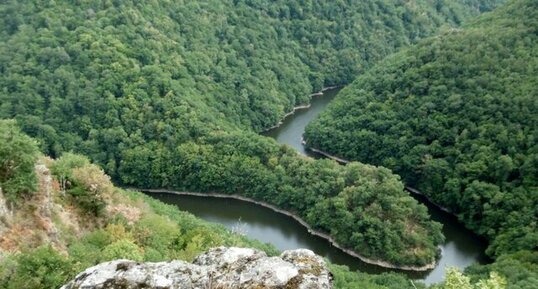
x=39 y=268
x=250 y=61
x=122 y=249
x=18 y=155
x=88 y=201
x=158 y=233
x=455 y=116
x=456 y=280
x=63 y=167
x=346 y=279
x=175 y=229
x=85 y=183
x=519 y=269
x=162 y=233
x=363 y=207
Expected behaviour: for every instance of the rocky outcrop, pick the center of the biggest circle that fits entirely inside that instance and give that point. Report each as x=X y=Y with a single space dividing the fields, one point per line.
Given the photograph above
x=5 y=212
x=5 y=215
x=218 y=268
x=45 y=203
x=31 y=222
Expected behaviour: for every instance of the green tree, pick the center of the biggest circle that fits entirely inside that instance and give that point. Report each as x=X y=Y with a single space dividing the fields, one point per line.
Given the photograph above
x=18 y=156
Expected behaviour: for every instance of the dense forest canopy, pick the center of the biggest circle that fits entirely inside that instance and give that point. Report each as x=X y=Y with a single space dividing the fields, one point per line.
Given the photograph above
x=457 y=117
x=168 y=94
x=86 y=69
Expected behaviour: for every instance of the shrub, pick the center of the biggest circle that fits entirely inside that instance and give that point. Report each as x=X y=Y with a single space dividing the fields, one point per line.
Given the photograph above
x=63 y=167
x=43 y=267
x=122 y=249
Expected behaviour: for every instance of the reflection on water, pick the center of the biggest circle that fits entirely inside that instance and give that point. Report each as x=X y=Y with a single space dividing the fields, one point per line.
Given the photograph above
x=292 y=128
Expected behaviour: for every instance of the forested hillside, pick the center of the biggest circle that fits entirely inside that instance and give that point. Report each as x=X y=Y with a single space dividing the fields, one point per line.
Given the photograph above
x=96 y=76
x=457 y=117
x=158 y=92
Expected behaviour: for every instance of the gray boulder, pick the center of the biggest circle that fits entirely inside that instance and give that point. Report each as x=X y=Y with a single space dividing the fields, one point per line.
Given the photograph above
x=218 y=268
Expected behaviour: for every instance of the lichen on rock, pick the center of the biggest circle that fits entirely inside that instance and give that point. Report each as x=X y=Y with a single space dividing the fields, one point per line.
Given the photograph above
x=220 y=267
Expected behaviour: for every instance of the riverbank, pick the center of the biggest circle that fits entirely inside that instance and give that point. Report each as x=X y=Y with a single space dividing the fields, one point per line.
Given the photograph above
x=325 y=154
x=299 y=107
x=417 y=192
x=304 y=224
x=296 y=108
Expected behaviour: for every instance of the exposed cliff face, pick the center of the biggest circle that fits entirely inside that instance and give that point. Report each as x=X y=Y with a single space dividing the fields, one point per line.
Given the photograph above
x=5 y=212
x=218 y=268
x=31 y=223
x=5 y=217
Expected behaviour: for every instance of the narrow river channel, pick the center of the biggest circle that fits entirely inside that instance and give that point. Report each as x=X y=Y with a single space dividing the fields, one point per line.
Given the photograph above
x=461 y=248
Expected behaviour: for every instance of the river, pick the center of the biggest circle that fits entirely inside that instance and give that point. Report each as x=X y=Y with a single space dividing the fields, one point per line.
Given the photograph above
x=460 y=249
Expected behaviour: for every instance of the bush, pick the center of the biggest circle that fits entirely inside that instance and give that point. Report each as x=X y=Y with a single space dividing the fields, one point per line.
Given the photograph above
x=88 y=201
x=456 y=280
x=157 y=232
x=63 y=167
x=85 y=182
x=43 y=267
x=122 y=249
